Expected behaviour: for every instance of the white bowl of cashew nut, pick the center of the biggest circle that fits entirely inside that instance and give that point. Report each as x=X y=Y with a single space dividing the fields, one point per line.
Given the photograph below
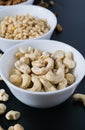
x=7 y=3
x=23 y=22
x=42 y=73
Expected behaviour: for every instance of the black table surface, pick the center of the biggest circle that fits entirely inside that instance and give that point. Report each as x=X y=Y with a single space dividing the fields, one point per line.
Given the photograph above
x=68 y=115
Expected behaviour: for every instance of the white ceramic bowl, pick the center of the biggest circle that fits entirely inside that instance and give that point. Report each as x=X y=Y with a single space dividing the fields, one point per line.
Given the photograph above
x=30 y=2
x=42 y=99
x=33 y=10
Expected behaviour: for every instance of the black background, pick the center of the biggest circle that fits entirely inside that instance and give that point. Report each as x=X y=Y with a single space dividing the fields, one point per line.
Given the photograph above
x=68 y=115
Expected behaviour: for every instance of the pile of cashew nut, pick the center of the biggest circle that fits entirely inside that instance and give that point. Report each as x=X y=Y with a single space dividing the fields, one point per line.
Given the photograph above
x=42 y=71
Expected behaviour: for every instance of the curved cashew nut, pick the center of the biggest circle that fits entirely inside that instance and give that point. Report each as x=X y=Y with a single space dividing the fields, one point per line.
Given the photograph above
x=44 y=70
x=15 y=71
x=22 y=67
x=15 y=79
x=50 y=63
x=59 y=54
x=69 y=55
x=34 y=56
x=69 y=63
x=3 y=95
x=79 y=97
x=54 y=78
x=62 y=84
x=26 y=80
x=38 y=63
x=13 y=115
x=48 y=87
x=61 y=71
x=16 y=127
x=25 y=60
x=2 y=108
x=58 y=63
x=39 y=71
x=37 y=86
x=70 y=78
x=46 y=53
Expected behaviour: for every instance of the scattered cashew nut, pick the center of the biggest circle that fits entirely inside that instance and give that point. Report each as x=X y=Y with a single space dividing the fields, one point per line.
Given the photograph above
x=16 y=127
x=3 y=95
x=13 y=115
x=2 y=108
x=79 y=97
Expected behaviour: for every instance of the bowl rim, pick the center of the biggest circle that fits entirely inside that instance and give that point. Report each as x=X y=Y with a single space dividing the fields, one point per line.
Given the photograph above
x=37 y=7
x=43 y=93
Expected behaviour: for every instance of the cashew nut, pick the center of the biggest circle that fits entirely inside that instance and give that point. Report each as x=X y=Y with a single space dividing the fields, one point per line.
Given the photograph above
x=30 y=50
x=69 y=55
x=70 y=78
x=16 y=127
x=15 y=71
x=61 y=71
x=22 y=67
x=34 y=56
x=11 y=128
x=13 y=115
x=62 y=84
x=58 y=63
x=79 y=97
x=44 y=70
x=59 y=54
x=25 y=60
x=37 y=86
x=38 y=63
x=69 y=63
x=3 y=95
x=15 y=79
x=2 y=108
x=1 y=128
x=48 y=87
x=54 y=78
x=46 y=53
x=26 y=80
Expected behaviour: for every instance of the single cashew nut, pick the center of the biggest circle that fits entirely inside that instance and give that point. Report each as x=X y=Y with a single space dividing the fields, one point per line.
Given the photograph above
x=46 y=53
x=2 y=108
x=13 y=115
x=26 y=80
x=18 y=127
x=11 y=128
x=69 y=55
x=79 y=97
x=22 y=67
x=15 y=71
x=1 y=128
x=69 y=63
x=70 y=78
x=15 y=79
x=25 y=60
x=36 y=84
x=59 y=54
x=62 y=84
x=54 y=78
x=48 y=87
x=38 y=63
x=3 y=95
x=39 y=71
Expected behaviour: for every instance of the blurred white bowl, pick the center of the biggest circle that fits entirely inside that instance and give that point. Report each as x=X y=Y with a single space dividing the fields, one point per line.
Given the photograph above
x=28 y=2
x=42 y=99
x=35 y=11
